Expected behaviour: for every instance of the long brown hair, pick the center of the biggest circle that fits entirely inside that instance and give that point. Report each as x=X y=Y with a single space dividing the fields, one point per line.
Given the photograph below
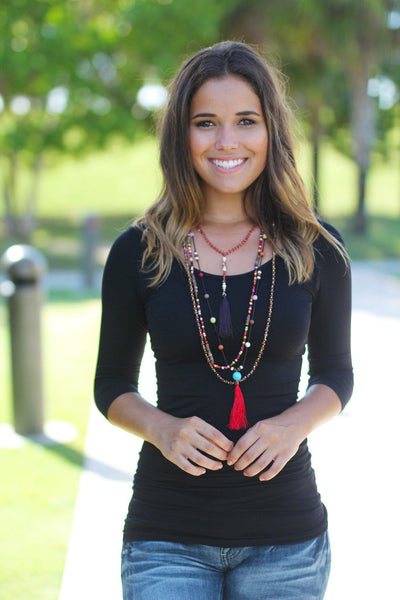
x=279 y=203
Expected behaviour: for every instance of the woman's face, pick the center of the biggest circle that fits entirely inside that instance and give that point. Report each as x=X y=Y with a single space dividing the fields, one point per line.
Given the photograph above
x=228 y=136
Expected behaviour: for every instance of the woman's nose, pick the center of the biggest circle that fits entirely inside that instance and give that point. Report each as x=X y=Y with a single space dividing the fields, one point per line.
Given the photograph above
x=226 y=139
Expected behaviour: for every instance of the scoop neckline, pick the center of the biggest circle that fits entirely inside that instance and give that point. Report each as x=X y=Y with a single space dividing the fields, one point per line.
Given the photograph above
x=268 y=262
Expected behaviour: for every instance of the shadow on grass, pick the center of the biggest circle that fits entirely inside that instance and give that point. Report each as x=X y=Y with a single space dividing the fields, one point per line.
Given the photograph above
x=61 y=239
x=79 y=459
x=71 y=296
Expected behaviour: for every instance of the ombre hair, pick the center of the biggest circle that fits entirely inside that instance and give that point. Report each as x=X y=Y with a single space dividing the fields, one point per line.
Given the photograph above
x=276 y=201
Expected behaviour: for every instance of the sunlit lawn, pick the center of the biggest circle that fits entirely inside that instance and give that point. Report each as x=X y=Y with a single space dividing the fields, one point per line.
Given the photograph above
x=122 y=180
x=38 y=483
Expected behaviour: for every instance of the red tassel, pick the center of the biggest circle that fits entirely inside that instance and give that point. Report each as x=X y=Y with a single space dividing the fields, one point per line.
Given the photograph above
x=238 y=419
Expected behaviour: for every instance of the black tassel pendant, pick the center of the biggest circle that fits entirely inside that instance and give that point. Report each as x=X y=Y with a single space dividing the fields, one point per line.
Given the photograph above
x=225 y=328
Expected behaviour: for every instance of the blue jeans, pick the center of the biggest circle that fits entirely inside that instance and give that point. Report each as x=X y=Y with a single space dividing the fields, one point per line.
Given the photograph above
x=172 y=571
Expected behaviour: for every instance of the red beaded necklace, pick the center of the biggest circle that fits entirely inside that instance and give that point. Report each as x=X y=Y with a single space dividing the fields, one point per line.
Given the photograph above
x=225 y=320
x=238 y=419
x=233 y=249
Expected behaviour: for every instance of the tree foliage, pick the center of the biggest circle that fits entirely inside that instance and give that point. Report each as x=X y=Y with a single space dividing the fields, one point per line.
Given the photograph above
x=71 y=70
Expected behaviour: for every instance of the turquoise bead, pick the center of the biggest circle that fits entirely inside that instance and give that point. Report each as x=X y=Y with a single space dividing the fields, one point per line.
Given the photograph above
x=237 y=376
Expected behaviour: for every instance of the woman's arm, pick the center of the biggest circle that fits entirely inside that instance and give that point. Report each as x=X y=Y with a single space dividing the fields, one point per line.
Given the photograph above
x=123 y=323
x=122 y=340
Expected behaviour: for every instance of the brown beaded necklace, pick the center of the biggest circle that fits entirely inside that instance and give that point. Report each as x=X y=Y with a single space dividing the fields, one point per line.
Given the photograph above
x=238 y=419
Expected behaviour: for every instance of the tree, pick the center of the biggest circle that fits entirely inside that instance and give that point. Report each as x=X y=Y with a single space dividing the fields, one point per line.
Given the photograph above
x=361 y=28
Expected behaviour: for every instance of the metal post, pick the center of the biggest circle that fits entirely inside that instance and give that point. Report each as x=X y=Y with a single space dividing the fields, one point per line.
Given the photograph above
x=25 y=267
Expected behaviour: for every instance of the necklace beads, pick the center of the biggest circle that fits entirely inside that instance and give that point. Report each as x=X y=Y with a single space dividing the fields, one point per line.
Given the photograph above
x=225 y=253
x=245 y=344
x=225 y=321
x=191 y=255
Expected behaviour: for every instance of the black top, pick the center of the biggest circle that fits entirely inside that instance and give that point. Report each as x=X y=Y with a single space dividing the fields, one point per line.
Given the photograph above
x=223 y=508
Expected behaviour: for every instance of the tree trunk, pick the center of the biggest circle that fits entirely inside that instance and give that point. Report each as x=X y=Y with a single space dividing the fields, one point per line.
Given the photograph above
x=316 y=144
x=20 y=223
x=28 y=219
x=360 y=218
x=9 y=193
x=363 y=116
x=316 y=154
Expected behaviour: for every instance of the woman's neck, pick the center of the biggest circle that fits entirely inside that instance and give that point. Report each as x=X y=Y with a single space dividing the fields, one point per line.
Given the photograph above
x=225 y=215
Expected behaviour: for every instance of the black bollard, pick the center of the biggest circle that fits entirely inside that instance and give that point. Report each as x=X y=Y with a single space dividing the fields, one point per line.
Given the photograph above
x=25 y=267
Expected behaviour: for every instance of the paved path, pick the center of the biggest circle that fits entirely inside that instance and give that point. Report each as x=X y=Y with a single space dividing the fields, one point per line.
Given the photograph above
x=354 y=457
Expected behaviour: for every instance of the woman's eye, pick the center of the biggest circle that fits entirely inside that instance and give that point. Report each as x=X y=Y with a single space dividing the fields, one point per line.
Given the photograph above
x=247 y=122
x=204 y=124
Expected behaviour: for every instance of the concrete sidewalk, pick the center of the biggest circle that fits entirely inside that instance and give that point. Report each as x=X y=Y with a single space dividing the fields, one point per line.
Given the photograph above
x=93 y=561
x=354 y=457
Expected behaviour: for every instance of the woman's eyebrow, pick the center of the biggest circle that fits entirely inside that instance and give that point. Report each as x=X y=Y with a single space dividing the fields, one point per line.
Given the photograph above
x=242 y=113
x=203 y=115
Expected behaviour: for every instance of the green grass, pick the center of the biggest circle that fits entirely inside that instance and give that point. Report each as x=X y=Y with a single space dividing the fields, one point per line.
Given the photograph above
x=382 y=239
x=338 y=183
x=39 y=484
x=120 y=180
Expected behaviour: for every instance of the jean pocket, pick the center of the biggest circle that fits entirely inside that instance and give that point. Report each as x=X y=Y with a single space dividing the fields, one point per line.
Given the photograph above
x=127 y=549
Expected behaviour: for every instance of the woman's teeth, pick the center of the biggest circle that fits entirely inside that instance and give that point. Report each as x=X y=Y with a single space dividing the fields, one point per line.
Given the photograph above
x=228 y=164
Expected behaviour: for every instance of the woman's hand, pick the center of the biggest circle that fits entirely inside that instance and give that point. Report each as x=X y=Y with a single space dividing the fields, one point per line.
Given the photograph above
x=183 y=441
x=268 y=442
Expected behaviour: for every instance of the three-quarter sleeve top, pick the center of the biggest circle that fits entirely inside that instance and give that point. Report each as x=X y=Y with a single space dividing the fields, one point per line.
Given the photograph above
x=223 y=508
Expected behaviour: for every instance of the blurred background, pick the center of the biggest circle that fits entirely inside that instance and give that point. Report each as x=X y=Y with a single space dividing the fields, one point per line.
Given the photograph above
x=81 y=86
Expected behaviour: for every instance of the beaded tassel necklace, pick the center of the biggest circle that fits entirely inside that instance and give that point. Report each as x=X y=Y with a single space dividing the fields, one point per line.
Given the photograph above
x=238 y=419
x=225 y=321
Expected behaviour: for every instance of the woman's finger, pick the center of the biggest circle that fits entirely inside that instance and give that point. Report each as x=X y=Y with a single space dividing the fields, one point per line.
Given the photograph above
x=185 y=464
x=263 y=462
x=242 y=445
x=213 y=435
x=204 y=461
x=209 y=447
x=254 y=458
x=274 y=469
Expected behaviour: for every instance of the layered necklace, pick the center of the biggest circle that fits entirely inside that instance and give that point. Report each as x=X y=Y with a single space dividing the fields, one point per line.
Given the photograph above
x=238 y=418
x=225 y=320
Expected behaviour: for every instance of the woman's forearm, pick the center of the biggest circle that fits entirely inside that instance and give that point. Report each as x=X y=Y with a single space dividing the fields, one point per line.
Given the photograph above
x=319 y=405
x=134 y=414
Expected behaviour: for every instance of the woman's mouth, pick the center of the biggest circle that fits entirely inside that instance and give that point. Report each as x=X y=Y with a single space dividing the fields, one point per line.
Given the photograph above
x=227 y=165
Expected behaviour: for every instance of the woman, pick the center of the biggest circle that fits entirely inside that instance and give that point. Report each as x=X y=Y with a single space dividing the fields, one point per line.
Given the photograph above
x=232 y=275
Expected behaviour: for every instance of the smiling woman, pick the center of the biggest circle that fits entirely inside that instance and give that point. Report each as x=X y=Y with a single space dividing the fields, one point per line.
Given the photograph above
x=232 y=275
